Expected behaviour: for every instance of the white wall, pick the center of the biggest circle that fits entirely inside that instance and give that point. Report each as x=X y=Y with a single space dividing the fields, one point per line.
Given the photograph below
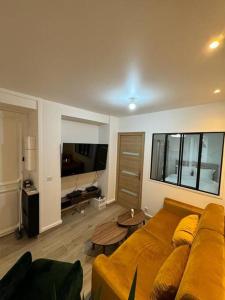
x=50 y=116
x=49 y=127
x=194 y=119
x=77 y=132
x=112 y=158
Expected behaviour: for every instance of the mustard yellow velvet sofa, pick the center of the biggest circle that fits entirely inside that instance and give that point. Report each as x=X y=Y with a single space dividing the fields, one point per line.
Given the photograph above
x=149 y=247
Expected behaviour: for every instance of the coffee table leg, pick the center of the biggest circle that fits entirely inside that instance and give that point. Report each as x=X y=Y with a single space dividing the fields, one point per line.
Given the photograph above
x=93 y=246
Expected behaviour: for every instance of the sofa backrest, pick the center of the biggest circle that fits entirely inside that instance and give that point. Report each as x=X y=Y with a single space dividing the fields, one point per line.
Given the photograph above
x=181 y=209
x=204 y=272
x=213 y=218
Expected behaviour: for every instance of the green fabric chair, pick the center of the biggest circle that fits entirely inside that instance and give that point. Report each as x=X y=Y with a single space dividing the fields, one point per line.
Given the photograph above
x=43 y=279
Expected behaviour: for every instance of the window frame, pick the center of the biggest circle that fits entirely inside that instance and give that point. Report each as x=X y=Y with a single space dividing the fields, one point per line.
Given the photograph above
x=182 y=134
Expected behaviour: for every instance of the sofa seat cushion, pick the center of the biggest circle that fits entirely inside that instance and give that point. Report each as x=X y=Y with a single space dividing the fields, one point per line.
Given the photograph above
x=142 y=251
x=203 y=276
x=163 y=225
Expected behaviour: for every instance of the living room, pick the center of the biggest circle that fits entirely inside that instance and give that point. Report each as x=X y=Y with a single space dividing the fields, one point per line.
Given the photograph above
x=126 y=80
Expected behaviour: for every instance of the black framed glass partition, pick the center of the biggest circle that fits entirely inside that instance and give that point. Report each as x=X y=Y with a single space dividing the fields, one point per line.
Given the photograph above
x=191 y=160
x=173 y=149
x=158 y=152
x=189 y=163
x=211 y=162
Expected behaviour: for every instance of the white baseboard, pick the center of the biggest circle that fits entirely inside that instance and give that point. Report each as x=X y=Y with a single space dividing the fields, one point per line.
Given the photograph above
x=51 y=226
x=148 y=215
x=8 y=230
x=109 y=201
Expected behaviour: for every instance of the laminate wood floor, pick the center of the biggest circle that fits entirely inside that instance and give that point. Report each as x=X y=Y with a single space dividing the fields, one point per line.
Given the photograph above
x=67 y=242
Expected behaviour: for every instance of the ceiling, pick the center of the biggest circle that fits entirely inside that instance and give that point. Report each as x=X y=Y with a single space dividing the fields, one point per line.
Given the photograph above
x=97 y=54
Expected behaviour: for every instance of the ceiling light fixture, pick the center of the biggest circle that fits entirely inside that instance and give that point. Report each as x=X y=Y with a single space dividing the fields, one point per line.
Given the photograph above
x=214 y=44
x=217 y=91
x=132 y=104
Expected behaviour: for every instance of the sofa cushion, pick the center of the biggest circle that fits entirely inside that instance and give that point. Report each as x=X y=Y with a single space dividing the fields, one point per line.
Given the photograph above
x=15 y=276
x=203 y=276
x=162 y=226
x=168 y=278
x=185 y=231
x=212 y=218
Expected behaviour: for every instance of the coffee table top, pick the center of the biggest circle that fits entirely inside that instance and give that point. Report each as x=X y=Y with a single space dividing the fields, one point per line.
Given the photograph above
x=108 y=234
x=126 y=219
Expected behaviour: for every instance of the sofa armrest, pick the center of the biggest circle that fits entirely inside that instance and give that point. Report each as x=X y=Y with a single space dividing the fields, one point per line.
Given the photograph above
x=109 y=282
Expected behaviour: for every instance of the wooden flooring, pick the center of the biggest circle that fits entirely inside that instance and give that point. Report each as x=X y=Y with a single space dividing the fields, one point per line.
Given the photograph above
x=67 y=242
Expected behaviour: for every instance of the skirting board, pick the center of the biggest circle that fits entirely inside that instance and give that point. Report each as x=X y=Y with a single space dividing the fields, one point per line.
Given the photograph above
x=8 y=230
x=51 y=226
x=148 y=215
x=109 y=201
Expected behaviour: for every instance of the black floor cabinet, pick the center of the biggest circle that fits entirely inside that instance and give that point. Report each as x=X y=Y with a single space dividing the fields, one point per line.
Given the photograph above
x=30 y=213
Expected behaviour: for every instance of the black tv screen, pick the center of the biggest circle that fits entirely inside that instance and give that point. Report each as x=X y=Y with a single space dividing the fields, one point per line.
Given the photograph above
x=83 y=158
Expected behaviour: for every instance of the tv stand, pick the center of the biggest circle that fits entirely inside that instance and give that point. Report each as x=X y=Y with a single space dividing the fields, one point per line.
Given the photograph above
x=79 y=201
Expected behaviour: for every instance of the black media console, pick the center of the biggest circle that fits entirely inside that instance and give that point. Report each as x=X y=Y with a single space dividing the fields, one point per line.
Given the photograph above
x=78 y=197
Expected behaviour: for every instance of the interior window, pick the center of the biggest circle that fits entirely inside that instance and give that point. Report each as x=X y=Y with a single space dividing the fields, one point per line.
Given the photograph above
x=172 y=158
x=192 y=160
x=158 y=151
x=189 y=163
x=211 y=159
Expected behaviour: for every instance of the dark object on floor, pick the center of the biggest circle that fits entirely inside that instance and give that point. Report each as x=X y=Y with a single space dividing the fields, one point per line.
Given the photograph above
x=43 y=279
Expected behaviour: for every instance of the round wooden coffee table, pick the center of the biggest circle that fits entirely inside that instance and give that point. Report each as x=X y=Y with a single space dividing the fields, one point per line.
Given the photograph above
x=108 y=234
x=127 y=221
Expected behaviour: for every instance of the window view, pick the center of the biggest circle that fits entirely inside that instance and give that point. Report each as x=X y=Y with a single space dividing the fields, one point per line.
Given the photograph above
x=172 y=158
x=189 y=163
x=211 y=159
x=158 y=150
x=192 y=160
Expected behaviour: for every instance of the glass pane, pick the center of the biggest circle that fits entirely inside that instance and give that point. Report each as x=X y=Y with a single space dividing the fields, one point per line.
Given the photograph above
x=190 y=160
x=172 y=158
x=212 y=148
x=158 y=150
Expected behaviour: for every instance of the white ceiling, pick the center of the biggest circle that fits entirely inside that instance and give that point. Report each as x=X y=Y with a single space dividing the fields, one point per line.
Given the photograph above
x=96 y=54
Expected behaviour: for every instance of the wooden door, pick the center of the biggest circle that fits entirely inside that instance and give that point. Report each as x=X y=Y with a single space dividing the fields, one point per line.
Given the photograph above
x=130 y=168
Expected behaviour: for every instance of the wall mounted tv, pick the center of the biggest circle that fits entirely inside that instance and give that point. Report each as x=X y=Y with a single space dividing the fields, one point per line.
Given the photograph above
x=83 y=158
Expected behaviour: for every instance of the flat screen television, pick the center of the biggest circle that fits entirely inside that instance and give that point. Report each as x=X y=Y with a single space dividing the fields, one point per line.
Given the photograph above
x=83 y=158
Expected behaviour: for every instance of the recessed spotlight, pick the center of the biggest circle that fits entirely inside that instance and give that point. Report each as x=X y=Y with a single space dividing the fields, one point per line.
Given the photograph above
x=214 y=44
x=132 y=106
x=217 y=91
